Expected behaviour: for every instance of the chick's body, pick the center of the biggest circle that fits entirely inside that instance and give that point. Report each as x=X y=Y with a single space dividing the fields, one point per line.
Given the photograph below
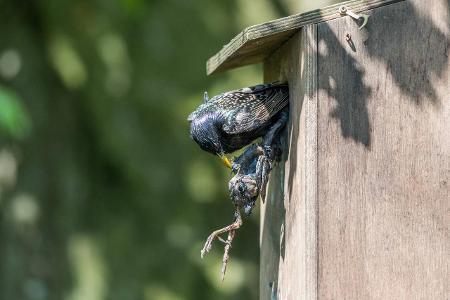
x=232 y=120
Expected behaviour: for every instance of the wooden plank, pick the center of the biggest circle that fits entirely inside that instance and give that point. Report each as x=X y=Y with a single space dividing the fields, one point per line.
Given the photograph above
x=272 y=209
x=310 y=161
x=384 y=154
x=289 y=216
x=257 y=42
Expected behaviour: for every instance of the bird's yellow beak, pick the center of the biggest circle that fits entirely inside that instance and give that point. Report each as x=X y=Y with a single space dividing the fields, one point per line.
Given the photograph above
x=225 y=161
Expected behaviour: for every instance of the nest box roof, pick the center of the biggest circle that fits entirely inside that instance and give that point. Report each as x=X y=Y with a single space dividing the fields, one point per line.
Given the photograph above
x=257 y=42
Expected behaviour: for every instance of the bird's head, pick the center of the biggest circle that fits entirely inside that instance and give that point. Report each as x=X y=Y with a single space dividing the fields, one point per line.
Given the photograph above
x=205 y=133
x=243 y=192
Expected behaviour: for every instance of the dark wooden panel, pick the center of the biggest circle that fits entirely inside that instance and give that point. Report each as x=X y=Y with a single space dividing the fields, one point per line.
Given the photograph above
x=384 y=154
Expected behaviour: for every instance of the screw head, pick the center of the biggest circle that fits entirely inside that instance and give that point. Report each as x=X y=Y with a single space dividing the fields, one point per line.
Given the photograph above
x=343 y=10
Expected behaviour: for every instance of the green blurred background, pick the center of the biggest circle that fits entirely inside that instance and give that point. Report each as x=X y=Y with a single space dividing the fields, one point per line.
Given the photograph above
x=103 y=195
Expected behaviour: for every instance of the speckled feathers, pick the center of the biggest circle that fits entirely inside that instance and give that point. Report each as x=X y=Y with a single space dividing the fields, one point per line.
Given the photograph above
x=237 y=117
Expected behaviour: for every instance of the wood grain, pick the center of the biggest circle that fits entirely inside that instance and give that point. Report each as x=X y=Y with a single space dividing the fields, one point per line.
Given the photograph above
x=273 y=209
x=384 y=155
x=289 y=216
x=360 y=206
x=257 y=42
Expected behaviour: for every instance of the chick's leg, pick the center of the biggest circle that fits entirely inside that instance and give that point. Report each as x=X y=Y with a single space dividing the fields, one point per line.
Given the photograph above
x=226 y=252
x=233 y=226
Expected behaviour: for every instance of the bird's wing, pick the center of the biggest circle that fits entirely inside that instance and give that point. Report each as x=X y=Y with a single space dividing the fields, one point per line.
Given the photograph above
x=255 y=106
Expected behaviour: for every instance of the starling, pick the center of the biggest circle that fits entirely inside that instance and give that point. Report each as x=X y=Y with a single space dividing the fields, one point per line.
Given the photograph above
x=232 y=120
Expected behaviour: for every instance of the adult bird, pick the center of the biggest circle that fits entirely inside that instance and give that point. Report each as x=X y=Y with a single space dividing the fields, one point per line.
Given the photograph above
x=232 y=120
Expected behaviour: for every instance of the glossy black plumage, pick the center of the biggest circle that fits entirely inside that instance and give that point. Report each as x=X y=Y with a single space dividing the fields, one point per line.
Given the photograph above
x=232 y=120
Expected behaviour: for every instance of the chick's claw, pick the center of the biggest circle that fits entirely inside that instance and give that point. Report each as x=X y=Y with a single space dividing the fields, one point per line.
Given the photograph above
x=207 y=246
x=216 y=234
x=222 y=240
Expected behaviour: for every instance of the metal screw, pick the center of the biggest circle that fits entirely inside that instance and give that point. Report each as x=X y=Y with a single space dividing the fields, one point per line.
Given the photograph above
x=348 y=37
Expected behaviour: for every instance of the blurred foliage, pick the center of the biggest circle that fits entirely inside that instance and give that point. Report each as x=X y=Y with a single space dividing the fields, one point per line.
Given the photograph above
x=102 y=193
x=14 y=121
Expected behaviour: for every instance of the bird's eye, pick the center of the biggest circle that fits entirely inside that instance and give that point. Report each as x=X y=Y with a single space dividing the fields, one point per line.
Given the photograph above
x=241 y=188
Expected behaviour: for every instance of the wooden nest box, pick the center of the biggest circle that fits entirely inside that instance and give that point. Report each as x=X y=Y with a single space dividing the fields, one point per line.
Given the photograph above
x=360 y=206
